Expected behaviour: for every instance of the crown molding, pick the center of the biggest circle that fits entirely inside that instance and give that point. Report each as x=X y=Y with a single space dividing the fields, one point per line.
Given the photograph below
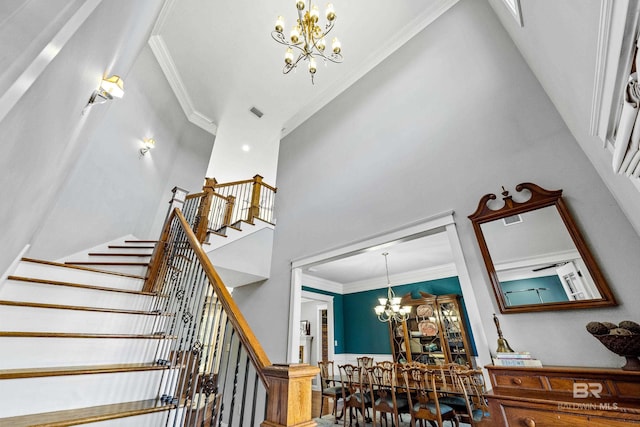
x=405 y=34
x=167 y=7
x=322 y=284
x=415 y=276
x=168 y=66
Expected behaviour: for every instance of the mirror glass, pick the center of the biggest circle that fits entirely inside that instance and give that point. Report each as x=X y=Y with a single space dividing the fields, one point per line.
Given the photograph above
x=535 y=256
x=548 y=268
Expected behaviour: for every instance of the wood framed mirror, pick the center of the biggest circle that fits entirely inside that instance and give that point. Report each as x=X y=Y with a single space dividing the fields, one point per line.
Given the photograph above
x=535 y=255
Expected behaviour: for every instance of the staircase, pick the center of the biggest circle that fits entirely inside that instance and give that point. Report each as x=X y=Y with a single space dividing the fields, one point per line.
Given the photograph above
x=78 y=342
x=139 y=335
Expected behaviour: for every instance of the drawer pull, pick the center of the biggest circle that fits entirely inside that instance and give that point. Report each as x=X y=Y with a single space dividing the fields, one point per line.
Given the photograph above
x=529 y=422
x=516 y=381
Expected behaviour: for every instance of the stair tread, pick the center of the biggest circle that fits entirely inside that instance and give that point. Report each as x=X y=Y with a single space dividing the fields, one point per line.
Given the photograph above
x=134 y=264
x=77 y=370
x=129 y=247
x=141 y=241
x=23 y=334
x=118 y=254
x=78 y=285
x=58 y=264
x=79 y=308
x=86 y=415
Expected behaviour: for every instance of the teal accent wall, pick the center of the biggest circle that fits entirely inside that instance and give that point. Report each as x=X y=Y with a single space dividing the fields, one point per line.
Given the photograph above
x=554 y=292
x=357 y=328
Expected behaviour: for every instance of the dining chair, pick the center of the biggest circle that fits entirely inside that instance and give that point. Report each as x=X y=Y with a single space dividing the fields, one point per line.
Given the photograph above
x=423 y=398
x=472 y=405
x=383 y=386
x=355 y=394
x=365 y=361
x=329 y=388
x=386 y=363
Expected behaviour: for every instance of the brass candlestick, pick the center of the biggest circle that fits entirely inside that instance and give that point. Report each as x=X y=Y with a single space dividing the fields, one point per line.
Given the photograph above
x=503 y=344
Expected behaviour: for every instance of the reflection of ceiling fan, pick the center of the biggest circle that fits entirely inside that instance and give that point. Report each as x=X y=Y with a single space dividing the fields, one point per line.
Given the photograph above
x=557 y=264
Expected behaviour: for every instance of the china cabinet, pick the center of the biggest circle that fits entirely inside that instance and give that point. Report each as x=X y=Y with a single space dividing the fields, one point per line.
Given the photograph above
x=434 y=333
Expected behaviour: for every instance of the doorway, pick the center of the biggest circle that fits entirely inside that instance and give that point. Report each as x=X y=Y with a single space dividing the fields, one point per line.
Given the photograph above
x=442 y=225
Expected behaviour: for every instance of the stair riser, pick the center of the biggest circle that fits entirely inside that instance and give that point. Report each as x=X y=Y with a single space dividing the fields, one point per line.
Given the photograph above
x=14 y=290
x=112 y=258
x=74 y=275
x=58 y=352
x=148 y=420
x=134 y=270
x=32 y=319
x=129 y=249
x=35 y=395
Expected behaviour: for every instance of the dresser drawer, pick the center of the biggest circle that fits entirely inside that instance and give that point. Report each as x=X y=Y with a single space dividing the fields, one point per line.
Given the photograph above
x=525 y=417
x=506 y=412
x=509 y=380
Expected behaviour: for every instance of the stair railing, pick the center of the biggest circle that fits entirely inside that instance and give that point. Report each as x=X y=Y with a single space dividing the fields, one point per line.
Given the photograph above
x=231 y=202
x=218 y=372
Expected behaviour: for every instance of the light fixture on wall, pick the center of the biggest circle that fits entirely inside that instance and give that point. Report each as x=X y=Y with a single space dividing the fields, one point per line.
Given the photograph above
x=389 y=308
x=308 y=38
x=149 y=143
x=111 y=87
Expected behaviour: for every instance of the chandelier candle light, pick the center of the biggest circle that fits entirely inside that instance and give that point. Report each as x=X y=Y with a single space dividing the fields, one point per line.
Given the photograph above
x=389 y=308
x=308 y=38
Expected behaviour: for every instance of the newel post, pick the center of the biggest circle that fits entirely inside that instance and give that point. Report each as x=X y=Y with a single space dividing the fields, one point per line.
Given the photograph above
x=177 y=201
x=204 y=209
x=289 y=402
x=254 y=210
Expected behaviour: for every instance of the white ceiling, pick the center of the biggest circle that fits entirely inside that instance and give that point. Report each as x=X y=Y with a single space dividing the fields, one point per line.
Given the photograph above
x=220 y=60
x=419 y=256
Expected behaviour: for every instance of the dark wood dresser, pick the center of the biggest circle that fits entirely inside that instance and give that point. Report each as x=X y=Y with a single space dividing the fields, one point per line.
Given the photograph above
x=563 y=396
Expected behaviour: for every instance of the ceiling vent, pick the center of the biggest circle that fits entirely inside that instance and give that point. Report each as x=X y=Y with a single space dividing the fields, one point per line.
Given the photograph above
x=256 y=112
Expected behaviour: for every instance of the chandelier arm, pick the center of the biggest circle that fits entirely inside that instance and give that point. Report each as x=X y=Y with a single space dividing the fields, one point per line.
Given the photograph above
x=288 y=67
x=334 y=57
x=280 y=38
x=327 y=29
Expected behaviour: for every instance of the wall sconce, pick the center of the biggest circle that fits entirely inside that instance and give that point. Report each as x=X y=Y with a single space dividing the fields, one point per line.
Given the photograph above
x=149 y=143
x=111 y=87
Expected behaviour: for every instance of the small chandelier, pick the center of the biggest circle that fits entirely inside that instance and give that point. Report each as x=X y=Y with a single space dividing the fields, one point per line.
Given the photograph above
x=308 y=38
x=389 y=308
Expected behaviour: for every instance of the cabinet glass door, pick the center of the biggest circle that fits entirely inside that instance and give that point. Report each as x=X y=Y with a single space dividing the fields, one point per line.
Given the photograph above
x=453 y=332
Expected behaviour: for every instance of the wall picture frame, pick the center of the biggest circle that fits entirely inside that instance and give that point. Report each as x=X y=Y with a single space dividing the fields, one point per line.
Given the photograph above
x=305 y=327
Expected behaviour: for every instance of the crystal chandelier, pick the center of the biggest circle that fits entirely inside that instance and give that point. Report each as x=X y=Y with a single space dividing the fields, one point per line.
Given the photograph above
x=308 y=38
x=389 y=308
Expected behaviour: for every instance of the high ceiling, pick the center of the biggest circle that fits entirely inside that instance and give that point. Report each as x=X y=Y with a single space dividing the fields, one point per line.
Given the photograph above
x=221 y=61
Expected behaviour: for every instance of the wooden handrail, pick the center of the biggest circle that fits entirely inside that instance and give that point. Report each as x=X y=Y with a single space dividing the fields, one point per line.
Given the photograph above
x=288 y=387
x=150 y=282
x=195 y=195
x=229 y=184
x=248 y=339
x=213 y=183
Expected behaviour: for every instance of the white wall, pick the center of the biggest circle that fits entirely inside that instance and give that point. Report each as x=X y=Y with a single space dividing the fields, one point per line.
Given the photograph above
x=112 y=191
x=42 y=132
x=230 y=163
x=451 y=116
x=558 y=40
